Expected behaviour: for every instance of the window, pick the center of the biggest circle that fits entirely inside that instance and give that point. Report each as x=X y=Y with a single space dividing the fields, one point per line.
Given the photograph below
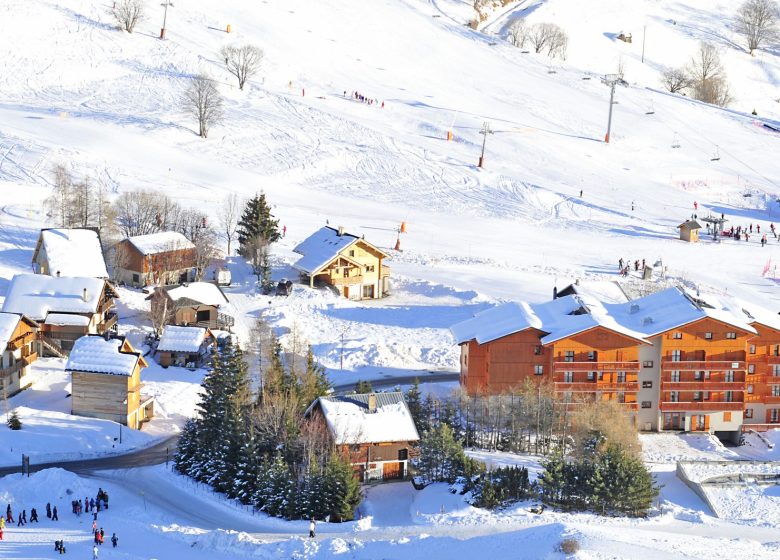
x=621 y=377
x=203 y=315
x=776 y=390
x=708 y=336
x=750 y=389
x=727 y=417
x=776 y=350
x=621 y=397
x=677 y=335
x=567 y=396
x=748 y=413
x=538 y=370
x=346 y=272
x=774 y=415
x=676 y=355
x=752 y=348
x=591 y=376
x=728 y=396
x=537 y=350
x=568 y=356
x=647 y=404
x=696 y=396
x=731 y=335
x=705 y=396
x=751 y=368
x=647 y=364
x=403 y=454
x=136 y=279
x=776 y=370
x=729 y=376
x=370 y=268
x=593 y=356
x=674 y=396
x=701 y=421
x=698 y=376
x=568 y=377
x=647 y=384
x=368 y=291
x=675 y=376
x=351 y=252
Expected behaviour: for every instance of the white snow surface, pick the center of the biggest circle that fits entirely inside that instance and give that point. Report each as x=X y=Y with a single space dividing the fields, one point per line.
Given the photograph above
x=74 y=252
x=64 y=319
x=351 y=423
x=37 y=295
x=8 y=324
x=181 y=339
x=95 y=354
x=154 y=243
x=203 y=292
x=321 y=247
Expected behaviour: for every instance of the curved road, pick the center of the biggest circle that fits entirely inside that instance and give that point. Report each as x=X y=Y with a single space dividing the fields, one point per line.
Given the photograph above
x=390 y=382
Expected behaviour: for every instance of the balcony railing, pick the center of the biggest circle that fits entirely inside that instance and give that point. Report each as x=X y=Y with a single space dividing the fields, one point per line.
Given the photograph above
x=108 y=322
x=708 y=385
x=700 y=405
x=770 y=399
x=705 y=365
x=594 y=386
x=773 y=359
x=560 y=365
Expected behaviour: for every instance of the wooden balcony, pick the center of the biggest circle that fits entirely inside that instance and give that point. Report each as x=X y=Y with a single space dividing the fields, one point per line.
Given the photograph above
x=704 y=365
x=769 y=359
x=594 y=386
x=769 y=399
x=708 y=385
x=713 y=406
x=108 y=322
x=560 y=365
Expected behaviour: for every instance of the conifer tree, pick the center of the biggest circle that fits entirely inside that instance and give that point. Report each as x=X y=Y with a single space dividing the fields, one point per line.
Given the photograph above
x=186 y=448
x=314 y=382
x=414 y=402
x=257 y=221
x=341 y=490
x=14 y=422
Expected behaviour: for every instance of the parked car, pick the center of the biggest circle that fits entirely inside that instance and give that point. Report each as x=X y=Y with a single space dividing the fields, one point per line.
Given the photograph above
x=222 y=277
x=284 y=287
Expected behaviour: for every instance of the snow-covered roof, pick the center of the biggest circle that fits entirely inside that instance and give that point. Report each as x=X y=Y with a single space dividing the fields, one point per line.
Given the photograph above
x=200 y=292
x=95 y=354
x=689 y=224
x=37 y=295
x=65 y=319
x=8 y=323
x=181 y=339
x=74 y=252
x=323 y=246
x=606 y=291
x=350 y=422
x=161 y=242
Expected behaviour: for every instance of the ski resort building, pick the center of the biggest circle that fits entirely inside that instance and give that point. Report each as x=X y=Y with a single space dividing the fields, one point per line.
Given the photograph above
x=65 y=307
x=158 y=258
x=689 y=231
x=18 y=349
x=677 y=361
x=106 y=381
x=197 y=303
x=375 y=431
x=69 y=252
x=185 y=346
x=347 y=262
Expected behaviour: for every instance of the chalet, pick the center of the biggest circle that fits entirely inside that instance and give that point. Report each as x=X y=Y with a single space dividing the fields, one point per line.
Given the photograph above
x=676 y=361
x=18 y=350
x=347 y=262
x=375 y=431
x=106 y=381
x=69 y=252
x=65 y=307
x=197 y=303
x=185 y=346
x=689 y=231
x=158 y=258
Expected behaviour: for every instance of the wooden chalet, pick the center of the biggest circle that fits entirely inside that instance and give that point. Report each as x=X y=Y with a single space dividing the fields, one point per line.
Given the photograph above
x=689 y=231
x=65 y=307
x=106 y=381
x=185 y=346
x=194 y=304
x=375 y=431
x=18 y=349
x=347 y=262
x=69 y=252
x=158 y=258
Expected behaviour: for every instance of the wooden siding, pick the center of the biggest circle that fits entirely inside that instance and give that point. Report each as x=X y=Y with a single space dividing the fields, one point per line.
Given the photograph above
x=356 y=266
x=101 y=395
x=16 y=358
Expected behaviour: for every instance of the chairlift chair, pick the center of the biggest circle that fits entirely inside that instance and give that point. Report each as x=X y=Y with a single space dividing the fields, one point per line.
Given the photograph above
x=716 y=156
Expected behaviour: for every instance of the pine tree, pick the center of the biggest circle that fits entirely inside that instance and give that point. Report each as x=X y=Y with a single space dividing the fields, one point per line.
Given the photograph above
x=14 y=422
x=414 y=402
x=277 y=487
x=249 y=464
x=341 y=490
x=363 y=387
x=314 y=382
x=256 y=227
x=551 y=481
x=186 y=448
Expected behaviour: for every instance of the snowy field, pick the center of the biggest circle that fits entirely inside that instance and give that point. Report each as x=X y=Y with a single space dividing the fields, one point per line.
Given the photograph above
x=75 y=91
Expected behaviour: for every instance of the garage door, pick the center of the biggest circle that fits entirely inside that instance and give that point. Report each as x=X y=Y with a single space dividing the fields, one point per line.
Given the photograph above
x=392 y=470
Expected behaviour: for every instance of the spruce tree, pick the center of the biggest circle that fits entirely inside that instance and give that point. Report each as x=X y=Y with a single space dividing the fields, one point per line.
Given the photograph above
x=341 y=490
x=256 y=222
x=14 y=422
x=414 y=402
x=314 y=382
x=551 y=481
x=186 y=448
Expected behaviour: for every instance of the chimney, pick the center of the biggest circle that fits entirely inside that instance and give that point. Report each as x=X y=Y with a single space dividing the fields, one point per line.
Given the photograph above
x=85 y=295
x=371 y=403
x=555 y=292
x=341 y=231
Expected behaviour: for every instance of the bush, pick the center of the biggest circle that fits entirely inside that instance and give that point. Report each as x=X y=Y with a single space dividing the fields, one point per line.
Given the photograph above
x=442 y=458
x=14 y=422
x=569 y=546
x=501 y=487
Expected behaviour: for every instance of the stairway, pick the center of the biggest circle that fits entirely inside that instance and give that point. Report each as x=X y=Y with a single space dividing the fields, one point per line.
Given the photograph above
x=52 y=346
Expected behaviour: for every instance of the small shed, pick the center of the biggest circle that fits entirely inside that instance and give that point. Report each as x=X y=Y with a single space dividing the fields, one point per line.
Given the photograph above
x=184 y=346
x=689 y=231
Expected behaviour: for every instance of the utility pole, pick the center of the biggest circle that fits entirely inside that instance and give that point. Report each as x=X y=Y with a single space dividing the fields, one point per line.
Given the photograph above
x=610 y=80
x=165 y=17
x=484 y=132
x=644 y=33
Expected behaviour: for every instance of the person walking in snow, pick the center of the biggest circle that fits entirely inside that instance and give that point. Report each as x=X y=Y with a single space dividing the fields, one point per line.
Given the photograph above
x=620 y=264
x=20 y=519
x=312 y=527
x=2 y=522
x=33 y=515
x=114 y=540
x=48 y=510
x=94 y=526
x=9 y=515
x=751 y=228
x=758 y=228
x=94 y=552
x=763 y=240
x=54 y=514
x=284 y=231
x=695 y=205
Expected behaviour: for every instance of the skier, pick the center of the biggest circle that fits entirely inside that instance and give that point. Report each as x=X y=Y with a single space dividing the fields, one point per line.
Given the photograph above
x=1 y=534
x=695 y=205
x=20 y=519
x=580 y=193
x=751 y=228
x=620 y=263
x=632 y=205
x=114 y=540
x=763 y=240
x=105 y=499
x=54 y=514
x=284 y=231
x=94 y=552
x=9 y=514
x=2 y=522
x=758 y=228
x=643 y=264
x=33 y=515
x=312 y=526
x=102 y=535
x=48 y=511
x=94 y=526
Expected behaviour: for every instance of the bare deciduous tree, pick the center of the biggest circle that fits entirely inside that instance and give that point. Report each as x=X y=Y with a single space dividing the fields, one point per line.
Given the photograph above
x=138 y=213
x=242 y=61
x=228 y=215
x=518 y=33
x=128 y=13
x=550 y=37
x=676 y=80
x=756 y=21
x=203 y=100
x=708 y=79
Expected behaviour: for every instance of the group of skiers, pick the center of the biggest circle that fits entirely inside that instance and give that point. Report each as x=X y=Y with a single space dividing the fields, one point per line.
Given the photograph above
x=625 y=266
x=91 y=505
x=357 y=96
x=21 y=519
x=742 y=232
